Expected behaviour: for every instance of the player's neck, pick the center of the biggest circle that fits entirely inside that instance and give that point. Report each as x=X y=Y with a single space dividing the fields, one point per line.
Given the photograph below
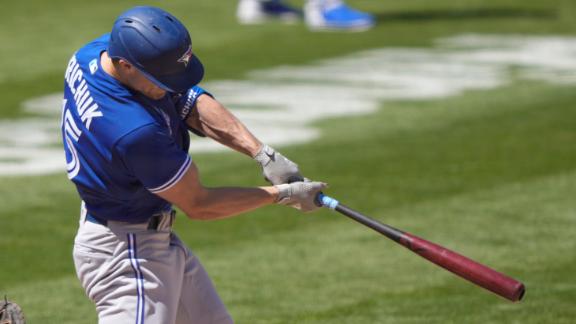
x=108 y=66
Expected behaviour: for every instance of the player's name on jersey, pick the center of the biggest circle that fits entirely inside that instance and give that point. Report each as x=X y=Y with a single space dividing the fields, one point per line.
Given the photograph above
x=86 y=106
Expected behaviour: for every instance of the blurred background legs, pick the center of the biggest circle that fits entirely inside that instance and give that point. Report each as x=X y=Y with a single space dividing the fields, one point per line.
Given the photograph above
x=317 y=14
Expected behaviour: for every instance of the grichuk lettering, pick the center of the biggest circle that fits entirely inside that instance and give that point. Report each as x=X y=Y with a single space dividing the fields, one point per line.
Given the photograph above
x=86 y=107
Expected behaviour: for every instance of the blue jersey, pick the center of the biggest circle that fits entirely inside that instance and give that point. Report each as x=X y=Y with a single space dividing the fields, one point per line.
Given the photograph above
x=121 y=147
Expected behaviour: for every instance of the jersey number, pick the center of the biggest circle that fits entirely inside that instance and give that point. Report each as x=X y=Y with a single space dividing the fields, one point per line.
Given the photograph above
x=71 y=136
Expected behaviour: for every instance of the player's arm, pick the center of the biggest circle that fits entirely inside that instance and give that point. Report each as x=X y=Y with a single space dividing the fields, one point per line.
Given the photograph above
x=152 y=157
x=200 y=202
x=211 y=118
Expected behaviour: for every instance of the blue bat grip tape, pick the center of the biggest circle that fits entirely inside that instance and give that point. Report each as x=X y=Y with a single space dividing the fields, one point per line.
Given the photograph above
x=328 y=202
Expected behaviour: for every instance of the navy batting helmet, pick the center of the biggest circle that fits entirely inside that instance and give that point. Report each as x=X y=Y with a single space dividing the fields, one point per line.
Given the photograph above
x=158 y=45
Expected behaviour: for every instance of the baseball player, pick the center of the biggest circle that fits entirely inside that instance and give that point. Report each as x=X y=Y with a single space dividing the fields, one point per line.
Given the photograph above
x=130 y=98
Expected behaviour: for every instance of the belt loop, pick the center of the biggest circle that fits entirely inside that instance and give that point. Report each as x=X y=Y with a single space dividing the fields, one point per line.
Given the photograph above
x=154 y=222
x=172 y=217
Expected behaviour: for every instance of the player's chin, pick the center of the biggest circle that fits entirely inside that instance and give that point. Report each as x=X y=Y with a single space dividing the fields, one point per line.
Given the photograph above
x=155 y=93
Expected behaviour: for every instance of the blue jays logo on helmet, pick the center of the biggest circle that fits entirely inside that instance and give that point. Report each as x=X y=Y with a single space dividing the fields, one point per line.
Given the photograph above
x=153 y=41
x=186 y=57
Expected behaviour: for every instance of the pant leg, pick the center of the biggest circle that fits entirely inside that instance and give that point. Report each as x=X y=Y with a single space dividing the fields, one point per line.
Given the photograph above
x=199 y=301
x=133 y=276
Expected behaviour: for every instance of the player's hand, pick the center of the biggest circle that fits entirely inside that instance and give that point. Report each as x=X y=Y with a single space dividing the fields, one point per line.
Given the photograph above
x=276 y=168
x=300 y=195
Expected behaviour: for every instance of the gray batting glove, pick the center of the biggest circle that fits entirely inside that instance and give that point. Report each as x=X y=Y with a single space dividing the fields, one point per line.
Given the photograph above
x=276 y=168
x=300 y=195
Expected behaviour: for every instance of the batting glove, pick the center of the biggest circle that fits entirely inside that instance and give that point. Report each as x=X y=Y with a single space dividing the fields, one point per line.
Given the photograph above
x=276 y=168
x=300 y=195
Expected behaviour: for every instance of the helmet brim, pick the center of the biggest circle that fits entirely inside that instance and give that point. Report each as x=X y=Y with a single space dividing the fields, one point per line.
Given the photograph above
x=180 y=82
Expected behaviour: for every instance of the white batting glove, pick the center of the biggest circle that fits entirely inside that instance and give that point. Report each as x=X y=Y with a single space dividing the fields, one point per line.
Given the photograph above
x=276 y=168
x=300 y=195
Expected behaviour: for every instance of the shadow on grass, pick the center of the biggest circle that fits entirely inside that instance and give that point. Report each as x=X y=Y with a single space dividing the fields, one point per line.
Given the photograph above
x=471 y=13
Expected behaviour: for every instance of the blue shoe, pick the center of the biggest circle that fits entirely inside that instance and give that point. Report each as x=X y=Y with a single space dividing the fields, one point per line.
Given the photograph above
x=340 y=17
x=259 y=11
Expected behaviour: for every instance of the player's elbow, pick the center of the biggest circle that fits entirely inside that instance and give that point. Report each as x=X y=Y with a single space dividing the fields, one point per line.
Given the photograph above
x=202 y=205
x=198 y=208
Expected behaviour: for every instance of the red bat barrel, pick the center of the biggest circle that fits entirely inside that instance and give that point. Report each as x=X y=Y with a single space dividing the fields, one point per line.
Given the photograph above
x=470 y=270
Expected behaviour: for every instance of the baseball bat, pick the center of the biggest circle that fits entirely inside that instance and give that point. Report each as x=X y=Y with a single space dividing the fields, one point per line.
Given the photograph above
x=460 y=265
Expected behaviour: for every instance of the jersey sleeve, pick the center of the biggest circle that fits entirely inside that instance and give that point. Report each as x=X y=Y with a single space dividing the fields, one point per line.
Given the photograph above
x=153 y=157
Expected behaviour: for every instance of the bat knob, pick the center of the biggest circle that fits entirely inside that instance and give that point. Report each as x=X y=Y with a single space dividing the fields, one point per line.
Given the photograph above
x=325 y=201
x=318 y=200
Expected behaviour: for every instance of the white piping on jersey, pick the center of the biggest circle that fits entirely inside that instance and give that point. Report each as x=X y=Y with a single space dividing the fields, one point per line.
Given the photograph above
x=175 y=178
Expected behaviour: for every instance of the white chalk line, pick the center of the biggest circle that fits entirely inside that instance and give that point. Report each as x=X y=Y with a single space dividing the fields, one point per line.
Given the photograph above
x=289 y=99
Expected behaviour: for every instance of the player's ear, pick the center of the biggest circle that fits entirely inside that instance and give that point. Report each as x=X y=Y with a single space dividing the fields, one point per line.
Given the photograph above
x=121 y=64
x=125 y=65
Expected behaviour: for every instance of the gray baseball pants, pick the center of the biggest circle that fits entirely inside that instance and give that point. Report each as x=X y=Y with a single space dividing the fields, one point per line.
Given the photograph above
x=138 y=275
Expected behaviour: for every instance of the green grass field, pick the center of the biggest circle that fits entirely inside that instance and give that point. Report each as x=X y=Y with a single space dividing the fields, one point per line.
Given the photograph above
x=488 y=173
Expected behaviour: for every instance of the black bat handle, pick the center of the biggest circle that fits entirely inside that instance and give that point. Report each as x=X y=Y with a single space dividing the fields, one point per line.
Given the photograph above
x=388 y=231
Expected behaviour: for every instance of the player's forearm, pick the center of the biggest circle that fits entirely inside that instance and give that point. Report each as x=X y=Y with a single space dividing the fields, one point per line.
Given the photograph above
x=199 y=202
x=216 y=122
x=224 y=202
